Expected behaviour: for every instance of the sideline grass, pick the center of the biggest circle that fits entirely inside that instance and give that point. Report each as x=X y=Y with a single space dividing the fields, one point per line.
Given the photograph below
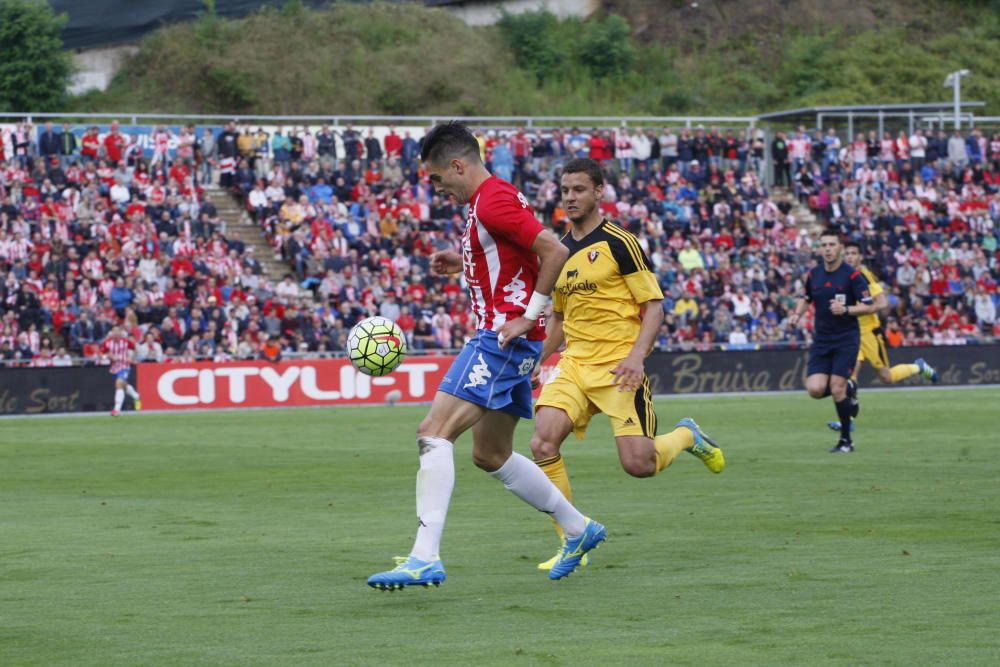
x=245 y=538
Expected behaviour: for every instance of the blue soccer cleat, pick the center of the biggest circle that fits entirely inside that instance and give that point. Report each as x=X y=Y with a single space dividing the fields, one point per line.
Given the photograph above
x=703 y=446
x=835 y=426
x=575 y=549
x=411 y=572
x=927 y=370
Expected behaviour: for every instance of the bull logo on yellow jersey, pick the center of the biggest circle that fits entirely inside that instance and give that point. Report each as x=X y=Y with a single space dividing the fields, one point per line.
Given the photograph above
x=593 y=255
x=574 y=285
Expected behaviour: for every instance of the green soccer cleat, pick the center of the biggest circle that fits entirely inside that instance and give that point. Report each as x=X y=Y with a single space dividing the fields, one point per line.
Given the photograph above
x=411 y=572
x=704 y=447
x=927 y=370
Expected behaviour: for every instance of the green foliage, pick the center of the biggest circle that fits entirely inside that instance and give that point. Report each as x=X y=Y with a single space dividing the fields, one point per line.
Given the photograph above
x=34 y=70
x=405 y=59
x=537 y=45
x=606 y=48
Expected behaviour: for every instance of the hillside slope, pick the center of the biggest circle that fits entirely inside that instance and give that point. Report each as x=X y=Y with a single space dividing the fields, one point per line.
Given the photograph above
x=704 y=57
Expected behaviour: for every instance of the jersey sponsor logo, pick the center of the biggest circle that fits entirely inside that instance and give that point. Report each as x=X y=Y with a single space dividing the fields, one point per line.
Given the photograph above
x=578 y=287
x=527 y=365
x=524 y=200
x=516 y=293
x=593 y=255
x=480 y=373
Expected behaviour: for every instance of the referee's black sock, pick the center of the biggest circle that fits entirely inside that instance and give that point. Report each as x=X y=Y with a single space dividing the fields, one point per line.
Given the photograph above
x=844 y=411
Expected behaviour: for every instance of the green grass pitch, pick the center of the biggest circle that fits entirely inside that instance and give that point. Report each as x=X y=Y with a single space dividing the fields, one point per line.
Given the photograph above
x=245 y=538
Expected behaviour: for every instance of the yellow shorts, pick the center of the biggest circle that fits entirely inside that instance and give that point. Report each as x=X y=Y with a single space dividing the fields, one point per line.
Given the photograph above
x=873 y=349
x=582 y=391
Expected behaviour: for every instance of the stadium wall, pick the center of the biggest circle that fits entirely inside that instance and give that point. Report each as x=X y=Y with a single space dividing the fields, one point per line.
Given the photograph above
x=333 y=382
x=28 y=391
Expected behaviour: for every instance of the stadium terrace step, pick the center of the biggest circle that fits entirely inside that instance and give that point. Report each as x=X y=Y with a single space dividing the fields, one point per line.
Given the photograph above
x=240 y=226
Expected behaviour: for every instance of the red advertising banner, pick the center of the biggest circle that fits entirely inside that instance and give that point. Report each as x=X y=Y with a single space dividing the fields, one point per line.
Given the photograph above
x=262 y=384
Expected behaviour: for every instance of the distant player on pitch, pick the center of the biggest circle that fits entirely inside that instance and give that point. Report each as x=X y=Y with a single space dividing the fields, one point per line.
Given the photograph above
x=511 y=263
x=873 y=347
x=607 y=307
x=840 y=294
x=121 y=351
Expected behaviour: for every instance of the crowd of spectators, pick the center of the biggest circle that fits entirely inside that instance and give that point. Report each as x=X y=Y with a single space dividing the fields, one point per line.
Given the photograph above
x=97 y=229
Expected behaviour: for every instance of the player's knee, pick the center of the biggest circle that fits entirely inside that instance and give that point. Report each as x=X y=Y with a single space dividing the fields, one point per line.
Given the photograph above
x=543 y=448
x=885 y=375
x=489 y=461
x=816 y=390
x=639 y=466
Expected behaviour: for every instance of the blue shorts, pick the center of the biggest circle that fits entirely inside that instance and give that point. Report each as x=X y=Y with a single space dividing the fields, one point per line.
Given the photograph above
x=495 y=379
x=834 y=359
x=122 y=375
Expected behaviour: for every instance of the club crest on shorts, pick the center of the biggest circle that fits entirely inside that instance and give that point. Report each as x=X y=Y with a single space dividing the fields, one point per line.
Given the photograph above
x=593 y=255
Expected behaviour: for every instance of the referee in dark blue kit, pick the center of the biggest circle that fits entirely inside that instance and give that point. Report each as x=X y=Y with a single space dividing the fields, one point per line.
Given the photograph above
x=840 y=294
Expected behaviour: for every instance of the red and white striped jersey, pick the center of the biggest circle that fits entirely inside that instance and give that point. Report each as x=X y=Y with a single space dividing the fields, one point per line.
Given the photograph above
x=119 y=350
x=500 y=267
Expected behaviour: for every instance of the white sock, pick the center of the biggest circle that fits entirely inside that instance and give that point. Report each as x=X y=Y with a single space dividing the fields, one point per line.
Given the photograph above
x=133 y=394
x=526 y=480
x=435 y=481
x=119 y=399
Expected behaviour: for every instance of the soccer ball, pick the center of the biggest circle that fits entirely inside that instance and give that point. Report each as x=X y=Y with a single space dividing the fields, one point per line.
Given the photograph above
x=376 y=346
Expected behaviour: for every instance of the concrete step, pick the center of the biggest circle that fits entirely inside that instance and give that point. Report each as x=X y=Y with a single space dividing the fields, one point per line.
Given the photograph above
x=240 y=226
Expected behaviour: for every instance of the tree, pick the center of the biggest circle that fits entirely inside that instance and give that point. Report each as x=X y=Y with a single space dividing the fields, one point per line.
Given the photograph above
x=34 y=69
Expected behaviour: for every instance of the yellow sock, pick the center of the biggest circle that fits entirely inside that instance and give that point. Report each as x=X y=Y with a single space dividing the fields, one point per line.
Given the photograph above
x=669 y=446
x=902 y=371
x=555 y=469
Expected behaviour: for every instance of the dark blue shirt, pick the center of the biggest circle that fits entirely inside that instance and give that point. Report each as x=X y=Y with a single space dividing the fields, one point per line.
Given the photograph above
x=846 y=285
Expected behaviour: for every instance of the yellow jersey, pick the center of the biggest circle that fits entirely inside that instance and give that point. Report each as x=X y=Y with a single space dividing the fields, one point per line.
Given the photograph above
x=605 y=279
x=869 y=323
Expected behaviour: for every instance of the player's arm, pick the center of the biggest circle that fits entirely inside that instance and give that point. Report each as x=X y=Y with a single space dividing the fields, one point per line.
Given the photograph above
x=865 y=304
x=802 y=302
x=446 y=262
x=554 y=337
x=552 y=254
x=878 y=295
x=637 y=271
x=631 y=370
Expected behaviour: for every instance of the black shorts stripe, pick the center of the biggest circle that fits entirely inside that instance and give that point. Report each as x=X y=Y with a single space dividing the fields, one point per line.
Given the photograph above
x=883 y=352
x=644 y=409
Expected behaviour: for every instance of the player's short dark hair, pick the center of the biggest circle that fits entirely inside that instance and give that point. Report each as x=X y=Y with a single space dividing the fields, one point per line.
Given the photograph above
x=448 y=141
x=853 y=244
x=584 y=165
x=831 y=231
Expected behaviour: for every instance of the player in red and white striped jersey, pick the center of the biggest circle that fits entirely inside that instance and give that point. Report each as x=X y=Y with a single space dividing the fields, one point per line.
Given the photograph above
x=121 y=350
x=511 y=264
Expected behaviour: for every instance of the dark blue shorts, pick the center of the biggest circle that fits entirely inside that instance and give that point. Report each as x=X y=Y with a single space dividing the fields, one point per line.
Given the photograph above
x=495 y=379
x=834 y=359
x=122 y=375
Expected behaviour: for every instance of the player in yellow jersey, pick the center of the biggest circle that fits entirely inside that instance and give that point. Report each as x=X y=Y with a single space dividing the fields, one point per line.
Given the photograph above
x=873 y=346
x=607 y=307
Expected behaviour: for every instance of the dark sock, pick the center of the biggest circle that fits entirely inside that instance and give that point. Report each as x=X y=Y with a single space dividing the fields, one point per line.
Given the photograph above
x=826 y=392
x=844 y=412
